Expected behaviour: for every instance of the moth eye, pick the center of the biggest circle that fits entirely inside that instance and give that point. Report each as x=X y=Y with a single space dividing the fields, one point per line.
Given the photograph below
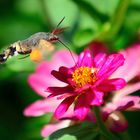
x=36 y=55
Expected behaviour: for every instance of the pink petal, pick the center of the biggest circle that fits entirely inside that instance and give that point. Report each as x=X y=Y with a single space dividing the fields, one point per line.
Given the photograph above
x=122 y=107
x=125 y=103
x=44 y=68
x=64 y=58
x=55 y=91
x=81 y=108
x=128 y=89
x=112 y=84
x=41 y=107
x=59 y=76
x=50 y=128
x=99 y=60
x=63 y=107
x=69 y=114
x=66 y=71
x=97 y=97
x=38 y=84
x=130 y=69
x=113 y=62
x=62 y=71
x=85 y=59
x=136 y=100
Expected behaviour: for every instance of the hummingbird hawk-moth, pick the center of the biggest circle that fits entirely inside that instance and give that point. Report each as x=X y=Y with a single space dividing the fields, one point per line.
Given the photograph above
x=26 y=47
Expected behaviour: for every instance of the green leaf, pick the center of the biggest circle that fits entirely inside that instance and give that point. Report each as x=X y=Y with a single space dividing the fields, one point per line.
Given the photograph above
x=33 y=126
x=65 y=137
x=26 y=8
x=90 y=9
x=118 y=17
x=132 y=22
x=83 y=37
x=86 y=31
x=84 y=131
x=58 y=9
x=18 y=65
x=105 y=7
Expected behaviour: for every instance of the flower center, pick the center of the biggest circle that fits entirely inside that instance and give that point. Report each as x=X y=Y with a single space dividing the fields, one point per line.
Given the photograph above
x=84 y=75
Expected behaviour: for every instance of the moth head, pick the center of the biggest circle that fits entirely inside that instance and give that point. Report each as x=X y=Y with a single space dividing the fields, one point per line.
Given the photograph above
x=53 y=38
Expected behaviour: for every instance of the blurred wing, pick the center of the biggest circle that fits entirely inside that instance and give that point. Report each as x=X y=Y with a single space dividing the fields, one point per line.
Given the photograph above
x=41 y=51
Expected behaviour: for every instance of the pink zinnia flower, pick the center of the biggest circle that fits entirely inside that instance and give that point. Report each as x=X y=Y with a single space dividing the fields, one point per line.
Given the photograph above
x=86 y=83
x=96 y=67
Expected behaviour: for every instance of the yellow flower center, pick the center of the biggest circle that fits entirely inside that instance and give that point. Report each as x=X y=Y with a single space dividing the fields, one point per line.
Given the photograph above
x=84 y=75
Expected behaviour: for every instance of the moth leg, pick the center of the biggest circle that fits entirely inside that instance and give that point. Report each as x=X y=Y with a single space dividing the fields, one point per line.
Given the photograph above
x=24 y=57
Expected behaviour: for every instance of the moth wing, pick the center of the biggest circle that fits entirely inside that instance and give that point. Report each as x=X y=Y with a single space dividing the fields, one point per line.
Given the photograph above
x=41 y=51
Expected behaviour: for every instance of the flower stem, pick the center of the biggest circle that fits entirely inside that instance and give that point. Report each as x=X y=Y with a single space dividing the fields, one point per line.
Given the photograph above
x=125 y=136
x=45 y=13
x=118 y=17
x=113 y=26
x=101 y=125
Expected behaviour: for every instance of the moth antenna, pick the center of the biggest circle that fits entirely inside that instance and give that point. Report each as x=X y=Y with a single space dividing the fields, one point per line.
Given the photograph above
x=68 y=50
x=58 y=25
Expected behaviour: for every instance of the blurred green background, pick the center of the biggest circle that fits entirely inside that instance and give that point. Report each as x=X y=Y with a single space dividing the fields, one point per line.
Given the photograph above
x=115 y=22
